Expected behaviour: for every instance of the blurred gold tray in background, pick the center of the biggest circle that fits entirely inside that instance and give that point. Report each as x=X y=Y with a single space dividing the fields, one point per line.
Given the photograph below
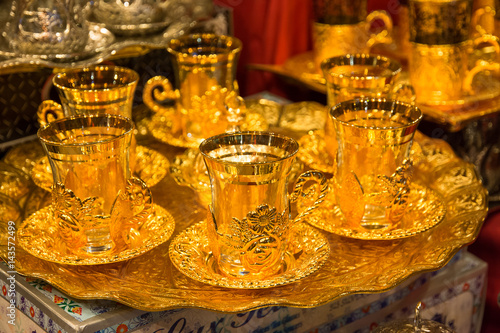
x=454 y=115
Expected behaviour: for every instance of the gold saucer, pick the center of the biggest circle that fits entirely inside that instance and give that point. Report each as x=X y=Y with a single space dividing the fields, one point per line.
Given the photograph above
x=14 y=182
x=38 y=236
x=160 y=127
x=25 y=155
x=151 y=167
x=425 y=210
x=313 y=152
x=190 y=253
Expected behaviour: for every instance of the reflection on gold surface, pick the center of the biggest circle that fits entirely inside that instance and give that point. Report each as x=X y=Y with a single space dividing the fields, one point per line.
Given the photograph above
x=25 y=155
x=151 y=167
x=9 y=211
x=189 y=169
x=151 y=281
x=313 y=152
x=307 y=251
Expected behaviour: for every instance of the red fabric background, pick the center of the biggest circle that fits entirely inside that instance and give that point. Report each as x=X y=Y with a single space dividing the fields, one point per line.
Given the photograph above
x=487 y=247
x=273 y=31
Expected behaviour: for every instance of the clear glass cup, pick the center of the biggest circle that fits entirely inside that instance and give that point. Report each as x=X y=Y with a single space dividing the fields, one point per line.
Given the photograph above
x=91 y=90
x=205 y=69
x=374 y=165
x=90 y=161
x=353 y=76
x=250 y=209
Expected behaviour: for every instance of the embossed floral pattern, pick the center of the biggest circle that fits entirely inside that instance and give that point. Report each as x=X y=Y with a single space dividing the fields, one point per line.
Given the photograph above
x=259 y=236
x=262 y=219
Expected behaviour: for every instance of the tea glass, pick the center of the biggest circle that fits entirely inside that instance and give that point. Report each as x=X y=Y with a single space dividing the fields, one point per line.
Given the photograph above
x=47 y=27
x=89 y=157
x=374 y=165
x=353 y=76
x=205 y=69
x=441 y=66
x=91 y=90
x=343 y=27
x=250 y=209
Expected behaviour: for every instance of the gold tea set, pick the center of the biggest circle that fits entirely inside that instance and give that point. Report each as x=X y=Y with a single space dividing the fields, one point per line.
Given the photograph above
x=271 y=212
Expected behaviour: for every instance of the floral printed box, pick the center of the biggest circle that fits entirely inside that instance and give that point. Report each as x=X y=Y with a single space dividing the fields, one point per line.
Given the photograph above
x=42 y=308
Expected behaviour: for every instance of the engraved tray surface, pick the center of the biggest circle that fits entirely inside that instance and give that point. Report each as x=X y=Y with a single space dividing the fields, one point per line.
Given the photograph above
x=151 y=282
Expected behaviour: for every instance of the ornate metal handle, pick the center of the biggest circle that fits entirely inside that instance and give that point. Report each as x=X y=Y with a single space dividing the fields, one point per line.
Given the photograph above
x=483 y=65
x=48 y=111
x=404 y=91
x=317 y=192
x=478 y=15
x=384 y=36
x=159 y=89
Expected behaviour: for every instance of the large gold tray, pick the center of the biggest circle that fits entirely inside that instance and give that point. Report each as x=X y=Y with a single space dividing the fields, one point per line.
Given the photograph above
x=151 y=282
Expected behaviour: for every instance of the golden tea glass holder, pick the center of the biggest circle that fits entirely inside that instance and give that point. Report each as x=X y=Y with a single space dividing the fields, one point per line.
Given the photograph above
x=99 y=212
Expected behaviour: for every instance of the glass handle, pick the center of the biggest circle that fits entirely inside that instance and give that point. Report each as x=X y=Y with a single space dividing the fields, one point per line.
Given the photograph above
x=48 y=111
x=315 y=193
x=159 y=89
